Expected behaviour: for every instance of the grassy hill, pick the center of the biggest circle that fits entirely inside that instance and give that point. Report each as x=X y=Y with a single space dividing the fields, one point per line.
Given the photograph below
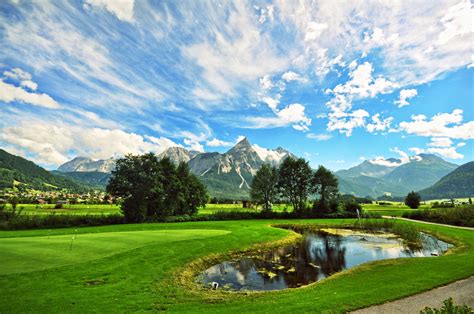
x=459 y=183
x=16 y=171
x=97 y=180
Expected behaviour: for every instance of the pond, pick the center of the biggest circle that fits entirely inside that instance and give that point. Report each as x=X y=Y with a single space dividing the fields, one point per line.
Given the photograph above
x=317 y=256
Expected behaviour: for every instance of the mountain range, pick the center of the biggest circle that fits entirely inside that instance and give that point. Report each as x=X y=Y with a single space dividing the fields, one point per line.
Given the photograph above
x=394 y=177
x=229 y=175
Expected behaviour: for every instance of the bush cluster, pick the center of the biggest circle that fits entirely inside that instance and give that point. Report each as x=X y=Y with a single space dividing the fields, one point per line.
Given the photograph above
x=21 y=222
x=457 y=216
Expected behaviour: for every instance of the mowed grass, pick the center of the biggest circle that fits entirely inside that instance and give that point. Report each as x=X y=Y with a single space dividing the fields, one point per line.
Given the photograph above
x=26 y=254
x=396 y=209
x=140 y=275
x=214 y=208
x=69 y=209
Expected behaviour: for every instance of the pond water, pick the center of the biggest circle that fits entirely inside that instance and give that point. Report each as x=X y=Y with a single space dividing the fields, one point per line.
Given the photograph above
x=316 y=256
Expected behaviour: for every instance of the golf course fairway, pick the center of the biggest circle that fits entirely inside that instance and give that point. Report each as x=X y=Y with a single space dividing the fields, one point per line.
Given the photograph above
x=129 y=268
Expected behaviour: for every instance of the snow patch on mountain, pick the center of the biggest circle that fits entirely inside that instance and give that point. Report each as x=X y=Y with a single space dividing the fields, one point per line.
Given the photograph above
x=269 y=155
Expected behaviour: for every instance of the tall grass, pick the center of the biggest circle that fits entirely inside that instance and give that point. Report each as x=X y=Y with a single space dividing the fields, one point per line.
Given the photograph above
x=408 y=232
x=457 y=216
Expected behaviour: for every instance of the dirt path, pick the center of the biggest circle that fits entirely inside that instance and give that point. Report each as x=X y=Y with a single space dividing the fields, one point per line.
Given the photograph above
x=429 y=223
x=461 y=291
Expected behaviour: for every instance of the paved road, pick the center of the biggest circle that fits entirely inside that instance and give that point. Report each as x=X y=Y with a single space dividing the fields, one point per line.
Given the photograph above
x=461 y=291
x=429 y=223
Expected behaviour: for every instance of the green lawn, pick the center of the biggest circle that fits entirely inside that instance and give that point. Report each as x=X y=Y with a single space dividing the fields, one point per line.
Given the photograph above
x=396 y=209
x=76 y=209
x=127 y=268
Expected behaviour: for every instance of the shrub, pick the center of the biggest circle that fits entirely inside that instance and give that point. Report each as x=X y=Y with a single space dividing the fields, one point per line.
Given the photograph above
x=58 y=206
x=352 y=206
x=448 y=308
x=413 y=200
x=458 y=216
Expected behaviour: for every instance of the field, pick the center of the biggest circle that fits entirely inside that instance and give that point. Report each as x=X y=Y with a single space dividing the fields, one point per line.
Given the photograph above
x=126 y=268
x=83 y=209
x=70 y=209
x=396 y=209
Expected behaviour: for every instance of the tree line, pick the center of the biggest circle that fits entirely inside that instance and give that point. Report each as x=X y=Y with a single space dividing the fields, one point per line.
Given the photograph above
x=152 y=188
x=295 y=182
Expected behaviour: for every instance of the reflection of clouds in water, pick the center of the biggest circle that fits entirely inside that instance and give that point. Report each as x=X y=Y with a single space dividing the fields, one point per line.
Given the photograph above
x=240 y=278
x=312 y=259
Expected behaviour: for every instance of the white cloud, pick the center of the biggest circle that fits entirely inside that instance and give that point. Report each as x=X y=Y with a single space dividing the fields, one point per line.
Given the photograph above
x=266 y=13
x=235 y=54
x=290 y=76
x=446 y=152
x=29 y=84
x=314 y=30
x=440 y=142
x=404 y=158
x=363 y=85
x=293 y=114
x=404 y=95
x=17 y=74
x=266 y=83
x=457 y=22
x=122 y=9
x=380 y=160
x=441 y=125
x=411 y=52
x=55 y=144
x=272 y=102
x=218 y=143
x=10 y=93
x=345 y=122
x=21 y=76
x=319 y=137
x=193 y=145
x=325 y=64
x=379 y=125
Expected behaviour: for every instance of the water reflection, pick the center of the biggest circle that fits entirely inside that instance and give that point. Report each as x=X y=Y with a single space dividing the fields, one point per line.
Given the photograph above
x=315 y=257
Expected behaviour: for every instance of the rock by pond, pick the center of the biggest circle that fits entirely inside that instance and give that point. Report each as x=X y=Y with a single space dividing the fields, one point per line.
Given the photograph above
x=318 y=255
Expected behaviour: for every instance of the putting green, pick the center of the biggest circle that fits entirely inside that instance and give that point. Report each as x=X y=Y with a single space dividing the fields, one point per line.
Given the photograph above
x=26 y=254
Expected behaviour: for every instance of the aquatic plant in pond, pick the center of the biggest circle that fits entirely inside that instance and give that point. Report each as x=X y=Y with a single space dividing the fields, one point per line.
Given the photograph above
x=317 y=256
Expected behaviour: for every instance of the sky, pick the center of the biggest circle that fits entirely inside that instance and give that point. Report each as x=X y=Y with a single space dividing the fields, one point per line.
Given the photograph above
x=335 y=82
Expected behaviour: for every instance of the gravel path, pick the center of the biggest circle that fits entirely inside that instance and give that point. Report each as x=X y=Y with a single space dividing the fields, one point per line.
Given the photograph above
x=427 y=222
x=461 y=291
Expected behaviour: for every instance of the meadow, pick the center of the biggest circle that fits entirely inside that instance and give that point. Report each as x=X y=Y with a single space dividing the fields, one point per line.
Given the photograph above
x=137 y=267
x=395 y=209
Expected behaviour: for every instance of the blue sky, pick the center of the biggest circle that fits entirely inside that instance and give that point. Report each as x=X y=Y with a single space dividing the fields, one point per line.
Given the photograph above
x=333 y=82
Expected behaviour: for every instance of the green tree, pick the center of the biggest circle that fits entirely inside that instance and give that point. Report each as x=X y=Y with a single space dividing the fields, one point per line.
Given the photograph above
x=192 y=194
x=14 y=200
x=138 y=181
x=413 y=200
x=150 y=188
x=294 y=181
x=264 y=186
x=324 y=183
